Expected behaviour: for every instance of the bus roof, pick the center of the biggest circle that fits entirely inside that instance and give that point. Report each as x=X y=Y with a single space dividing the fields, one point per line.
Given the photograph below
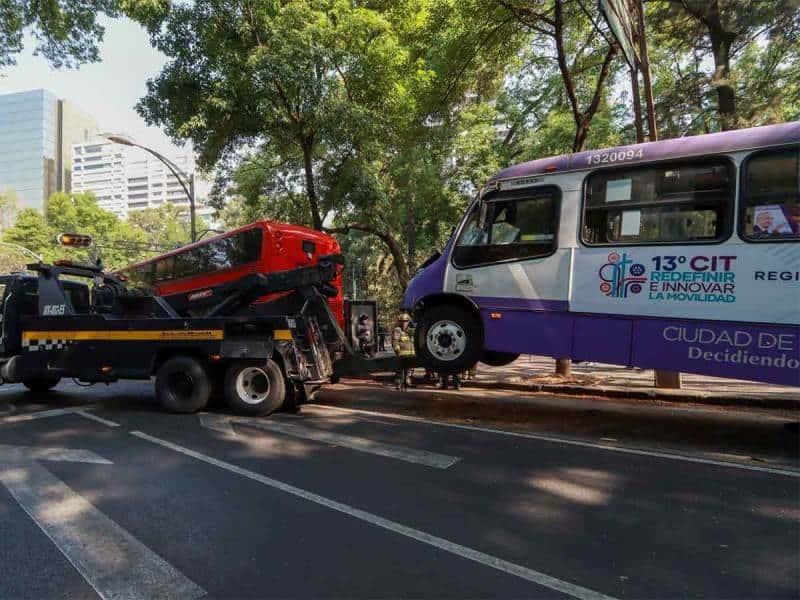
x=698 y=145
x=268 y=225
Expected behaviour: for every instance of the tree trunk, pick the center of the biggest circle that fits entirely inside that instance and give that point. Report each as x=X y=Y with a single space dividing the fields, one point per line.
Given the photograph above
x=311 y=186
x=721 y=42
x=395 y=248
x=581 y=132
x=411 y=231
x=721 y=80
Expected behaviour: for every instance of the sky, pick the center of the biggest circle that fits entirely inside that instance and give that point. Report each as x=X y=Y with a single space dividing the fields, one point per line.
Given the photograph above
x=108 y=90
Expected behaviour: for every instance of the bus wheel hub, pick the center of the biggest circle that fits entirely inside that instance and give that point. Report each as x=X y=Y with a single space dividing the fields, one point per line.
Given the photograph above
x=446 y=340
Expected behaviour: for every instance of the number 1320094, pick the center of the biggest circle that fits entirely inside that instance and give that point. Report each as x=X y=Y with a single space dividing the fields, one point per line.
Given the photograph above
x=614 y=156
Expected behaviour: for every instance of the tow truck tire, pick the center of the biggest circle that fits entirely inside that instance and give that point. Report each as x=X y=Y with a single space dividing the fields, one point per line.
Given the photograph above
x=255 y=388
x=448 y=339
x=182 y=385
x=41 y=385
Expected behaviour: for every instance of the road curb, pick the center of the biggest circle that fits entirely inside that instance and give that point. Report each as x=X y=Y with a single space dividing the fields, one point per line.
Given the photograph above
x=639 y=394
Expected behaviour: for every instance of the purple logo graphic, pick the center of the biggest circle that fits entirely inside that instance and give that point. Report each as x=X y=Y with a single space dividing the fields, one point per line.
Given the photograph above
x=621 y=276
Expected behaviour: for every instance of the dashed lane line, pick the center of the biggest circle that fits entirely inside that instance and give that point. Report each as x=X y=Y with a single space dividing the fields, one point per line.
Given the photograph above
x=542 y=579
x=91 y=417
x=570 y=442
x=42 y=414
x=359 y=444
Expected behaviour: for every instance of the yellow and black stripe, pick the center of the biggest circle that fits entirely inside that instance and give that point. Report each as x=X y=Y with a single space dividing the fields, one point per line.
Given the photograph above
x=129 y=335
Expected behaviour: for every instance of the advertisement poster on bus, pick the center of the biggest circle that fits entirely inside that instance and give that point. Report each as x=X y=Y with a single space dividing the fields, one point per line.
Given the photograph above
x=754 y=283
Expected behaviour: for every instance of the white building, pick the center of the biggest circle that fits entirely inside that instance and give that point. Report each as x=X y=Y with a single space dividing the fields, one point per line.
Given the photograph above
x=126 y=179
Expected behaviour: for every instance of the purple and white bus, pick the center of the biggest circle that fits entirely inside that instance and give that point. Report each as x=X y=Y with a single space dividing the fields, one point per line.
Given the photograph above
x=680 y=255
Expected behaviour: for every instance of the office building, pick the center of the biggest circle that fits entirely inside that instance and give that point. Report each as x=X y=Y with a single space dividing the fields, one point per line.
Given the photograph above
x=126 y=179
x=38 y=131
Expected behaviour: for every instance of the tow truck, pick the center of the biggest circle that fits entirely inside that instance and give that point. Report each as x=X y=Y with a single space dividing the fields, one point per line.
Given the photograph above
x=90 y=327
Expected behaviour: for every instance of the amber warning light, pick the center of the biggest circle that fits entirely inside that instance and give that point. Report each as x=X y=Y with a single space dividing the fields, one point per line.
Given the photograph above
x=74 y=240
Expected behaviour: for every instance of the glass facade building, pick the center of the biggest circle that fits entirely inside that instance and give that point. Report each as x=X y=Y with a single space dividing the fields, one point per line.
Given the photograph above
x=37 y=131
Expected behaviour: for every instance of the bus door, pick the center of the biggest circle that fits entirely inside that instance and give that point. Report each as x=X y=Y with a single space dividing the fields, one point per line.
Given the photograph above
x=506 y=258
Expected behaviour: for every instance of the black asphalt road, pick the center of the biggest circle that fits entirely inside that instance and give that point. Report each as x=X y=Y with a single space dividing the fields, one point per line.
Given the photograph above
x=240 y=511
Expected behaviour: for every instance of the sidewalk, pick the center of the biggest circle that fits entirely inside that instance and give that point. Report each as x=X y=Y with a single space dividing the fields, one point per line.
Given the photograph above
x=537 y=374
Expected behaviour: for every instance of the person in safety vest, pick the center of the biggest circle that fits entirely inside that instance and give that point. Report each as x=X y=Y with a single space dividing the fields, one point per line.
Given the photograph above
x=403 y=346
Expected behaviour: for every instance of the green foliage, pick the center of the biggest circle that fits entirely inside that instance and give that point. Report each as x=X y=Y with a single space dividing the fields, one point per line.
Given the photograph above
x=117 y=242
x=379 y=120
x=722 y=64
x=164 y=227
x=65 y=33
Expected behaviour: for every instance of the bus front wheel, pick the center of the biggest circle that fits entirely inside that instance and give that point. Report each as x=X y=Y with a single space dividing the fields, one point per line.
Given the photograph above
x=448 y=339
x=255 y=388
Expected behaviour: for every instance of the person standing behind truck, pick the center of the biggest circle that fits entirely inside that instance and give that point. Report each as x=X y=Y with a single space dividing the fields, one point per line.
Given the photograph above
x=364 y=332
x=403 y=346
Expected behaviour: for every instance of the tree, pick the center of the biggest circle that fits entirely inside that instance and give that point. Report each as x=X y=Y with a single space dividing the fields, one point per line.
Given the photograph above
x=722 y=30
x=119 y=243
x=301 y=78
x=165 y=227
x=65 y=33
x=585 y=59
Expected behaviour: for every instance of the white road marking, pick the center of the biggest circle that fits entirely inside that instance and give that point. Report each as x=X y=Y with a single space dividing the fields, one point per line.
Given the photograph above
x=219 y=423
x=91 y=417
x=42 y=414
x=15 y=454
x=111 y=560
x=569 y=442
x=488 y=560
x=359 y=444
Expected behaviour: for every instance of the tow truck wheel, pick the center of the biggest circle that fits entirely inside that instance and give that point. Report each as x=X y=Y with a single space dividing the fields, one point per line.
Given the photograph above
x=182 y=385
x=41 y=385
x=255 y=387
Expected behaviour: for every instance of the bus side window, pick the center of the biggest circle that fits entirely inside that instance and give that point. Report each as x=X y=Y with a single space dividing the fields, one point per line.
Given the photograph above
x=519 y=227
x=770 y=199
x=671 y=203
x=165 y=269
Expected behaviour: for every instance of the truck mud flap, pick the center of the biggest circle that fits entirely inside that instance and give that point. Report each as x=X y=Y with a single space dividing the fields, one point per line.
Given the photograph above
x=359 y=366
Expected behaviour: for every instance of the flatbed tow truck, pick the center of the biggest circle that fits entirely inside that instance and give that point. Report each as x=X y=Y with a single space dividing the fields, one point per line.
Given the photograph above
x=101 y=332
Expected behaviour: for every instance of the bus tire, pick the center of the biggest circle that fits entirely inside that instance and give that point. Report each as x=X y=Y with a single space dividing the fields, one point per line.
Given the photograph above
x=498 y=359
x=255 y=388
x=448 y=339
x=41 y=385
x=182 y=385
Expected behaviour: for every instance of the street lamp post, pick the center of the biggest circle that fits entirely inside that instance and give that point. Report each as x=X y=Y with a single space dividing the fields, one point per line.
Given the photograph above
x=186 y=181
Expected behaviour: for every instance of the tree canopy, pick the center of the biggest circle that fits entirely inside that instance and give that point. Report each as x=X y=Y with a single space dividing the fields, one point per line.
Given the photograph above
x=379 y=119
x=118 y=242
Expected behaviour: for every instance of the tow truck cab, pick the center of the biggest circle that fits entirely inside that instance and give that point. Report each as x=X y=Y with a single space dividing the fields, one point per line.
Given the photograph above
x=53 y=328
x=19 y=298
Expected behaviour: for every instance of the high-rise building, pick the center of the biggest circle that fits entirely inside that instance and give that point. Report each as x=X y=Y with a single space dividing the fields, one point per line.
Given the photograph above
x=38 y=131
x=126 y=179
